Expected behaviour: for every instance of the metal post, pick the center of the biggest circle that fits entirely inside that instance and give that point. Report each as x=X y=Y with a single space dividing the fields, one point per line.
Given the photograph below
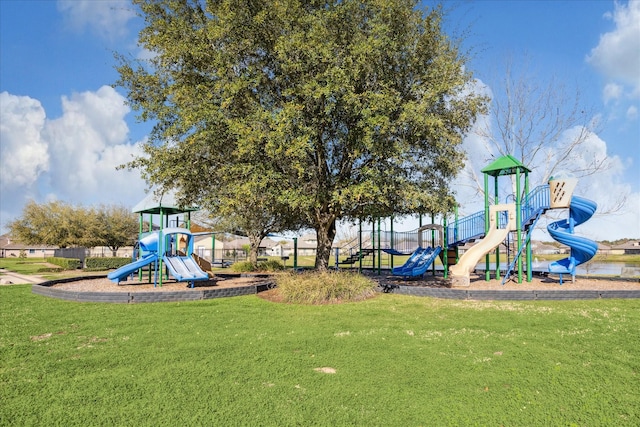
x=360 y=247
x=295 y=253
x=445 y=245
x=433 y=243
x=497 y=201
x=379 y=253
x=391 y=242
x=529 y=261
x=519 y=221
x=487 y=274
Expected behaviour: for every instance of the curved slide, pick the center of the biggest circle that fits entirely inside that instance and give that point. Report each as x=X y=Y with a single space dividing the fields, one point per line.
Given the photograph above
x=121 y=274
x=470 y=259
x=461 y=272
x=582 y=249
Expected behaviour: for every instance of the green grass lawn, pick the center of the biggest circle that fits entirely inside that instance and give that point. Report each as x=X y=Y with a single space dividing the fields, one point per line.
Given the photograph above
x=398 y=361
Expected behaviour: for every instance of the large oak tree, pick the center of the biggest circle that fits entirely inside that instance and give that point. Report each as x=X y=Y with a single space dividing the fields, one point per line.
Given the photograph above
x=347 y=109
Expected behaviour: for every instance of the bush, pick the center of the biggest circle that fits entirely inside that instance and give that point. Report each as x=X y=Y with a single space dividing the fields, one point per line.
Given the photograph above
x=326 y=287
x=270 y=265
x=65 y=263
x=99 y=264
x=49 y=270
x=247 y=267
x=243 y=267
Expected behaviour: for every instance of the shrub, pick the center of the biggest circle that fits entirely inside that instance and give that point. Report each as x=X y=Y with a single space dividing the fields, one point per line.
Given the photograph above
x=49 y=270
x=325 y=287
x=247 y=267
x=98 y=264
x=270 y=265
x=65 y=263
x=242 y=267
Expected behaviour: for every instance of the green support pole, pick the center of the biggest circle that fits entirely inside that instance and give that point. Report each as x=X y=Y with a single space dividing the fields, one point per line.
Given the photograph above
x=529 y=262
x=295 y=253
x=150 y=230
x=379 y=251
x=433 y=243
x=372 y=239
x=487 y=273
x=445 y=257
x=391 y=242
x=519 y=221
x=455 y=228
x=161 y=247
x=360 y=247
x=497 y=201
x=141 y=228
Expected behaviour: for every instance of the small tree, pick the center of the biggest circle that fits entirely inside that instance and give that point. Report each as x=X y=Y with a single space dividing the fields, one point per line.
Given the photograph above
x=543 y=124
x=114 y=227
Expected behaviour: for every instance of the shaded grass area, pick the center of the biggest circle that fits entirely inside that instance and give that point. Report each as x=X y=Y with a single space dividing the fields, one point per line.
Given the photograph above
x=398 y=360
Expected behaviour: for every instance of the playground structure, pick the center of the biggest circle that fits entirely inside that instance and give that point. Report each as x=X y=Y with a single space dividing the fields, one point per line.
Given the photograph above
x=495 y=225
x=171 y=247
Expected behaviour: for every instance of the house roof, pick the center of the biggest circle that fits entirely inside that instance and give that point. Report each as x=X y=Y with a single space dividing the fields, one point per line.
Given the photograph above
x=6 y=242
x=632 y=244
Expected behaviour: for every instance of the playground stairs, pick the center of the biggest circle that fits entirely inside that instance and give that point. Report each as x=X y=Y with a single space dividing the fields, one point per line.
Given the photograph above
x=452 y=256
x=352 y=259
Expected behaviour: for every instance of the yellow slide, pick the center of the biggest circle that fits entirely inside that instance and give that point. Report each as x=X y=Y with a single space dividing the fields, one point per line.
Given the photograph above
x=461 y=272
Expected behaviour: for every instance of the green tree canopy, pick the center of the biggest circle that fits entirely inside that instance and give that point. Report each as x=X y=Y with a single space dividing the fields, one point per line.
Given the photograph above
x=61 y=224
x=347 y=109
x=114 y=226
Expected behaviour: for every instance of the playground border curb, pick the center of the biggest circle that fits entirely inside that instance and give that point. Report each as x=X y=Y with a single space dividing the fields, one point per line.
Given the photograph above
x=510 y=295
x=46 y=289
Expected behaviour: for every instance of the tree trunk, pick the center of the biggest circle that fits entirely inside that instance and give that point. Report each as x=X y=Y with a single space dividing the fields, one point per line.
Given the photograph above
x=325 y=233
x=254 y=241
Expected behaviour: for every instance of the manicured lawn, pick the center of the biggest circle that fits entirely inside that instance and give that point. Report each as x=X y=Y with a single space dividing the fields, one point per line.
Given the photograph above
x=398 y=360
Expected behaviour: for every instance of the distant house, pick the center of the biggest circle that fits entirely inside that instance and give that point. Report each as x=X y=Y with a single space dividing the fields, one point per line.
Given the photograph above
x=540 y=248
x=603 y=249
x=10 y=248
x=629 y=248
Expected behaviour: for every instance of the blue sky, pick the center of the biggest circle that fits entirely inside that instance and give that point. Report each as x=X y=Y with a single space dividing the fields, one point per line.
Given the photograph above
x=64 y=129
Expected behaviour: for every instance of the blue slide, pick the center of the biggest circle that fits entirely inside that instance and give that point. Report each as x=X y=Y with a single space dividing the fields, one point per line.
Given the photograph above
x=411 y=262
x=582 y=249
x=121 y=274
x=426 y=258
x=184 y=268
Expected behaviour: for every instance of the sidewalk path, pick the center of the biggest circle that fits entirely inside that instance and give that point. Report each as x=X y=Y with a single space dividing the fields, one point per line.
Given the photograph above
x=11 y=278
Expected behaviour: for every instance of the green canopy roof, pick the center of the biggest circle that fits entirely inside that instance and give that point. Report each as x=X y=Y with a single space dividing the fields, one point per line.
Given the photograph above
x=505 y=165
x=165 y=203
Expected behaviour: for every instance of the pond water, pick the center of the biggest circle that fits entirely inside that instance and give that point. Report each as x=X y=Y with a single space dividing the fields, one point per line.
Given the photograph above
x=622 y=269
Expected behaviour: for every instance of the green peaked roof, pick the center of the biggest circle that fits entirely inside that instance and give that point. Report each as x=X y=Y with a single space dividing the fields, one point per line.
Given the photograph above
x=164 y=202
x=505 y=165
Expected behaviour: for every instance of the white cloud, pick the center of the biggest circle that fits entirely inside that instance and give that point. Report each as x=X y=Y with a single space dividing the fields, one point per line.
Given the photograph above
x=93 y=134
x=612 y=92
x=23 y=153
x=632 y=113
x=617 y=55
x=106 y=18
x=71 y=158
